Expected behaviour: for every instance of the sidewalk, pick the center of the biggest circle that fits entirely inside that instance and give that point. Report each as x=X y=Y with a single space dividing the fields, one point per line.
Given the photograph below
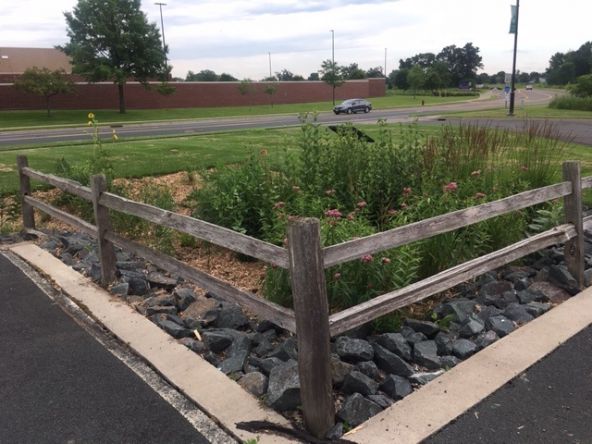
x=59 y=384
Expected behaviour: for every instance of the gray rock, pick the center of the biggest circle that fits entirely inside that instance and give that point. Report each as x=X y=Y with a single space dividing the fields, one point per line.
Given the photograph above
x=231 y=316
x=416 y=337
x=396 y=343
x=353 y=350
x=356 y=409
x=167 y=309
x=283 y=390
x=255 y=383
x=159 y=280
x=390 y=362
x=485 y=339
x=449 y=361
x=121 y=289
x=518 y=313
x=285 y=351
x=428 y=328
x=266 y=364
x=473 y=325
x=266 y=325
x=263 y=347
x=426 y=353
x=487 y=312
x=551 y=292
x=217 y=340
x=192 y=323
x=129 y=265
x=382 y=400
x=491 y=292
x=407 y=331
x=137 y=286
x=236 y=356
x=369 y=368
x=459 y=309
x=501 y=325
x=444 y=343
x=67 y=258
x=184 y=297
x=528 y=295
x=192 y=344
x=339 y=370
x=425 y=377
x=174 y=329
x=522 y=284
x=561 y=277
x=396 y=387
x=357 y=382
x=95 y=272
x=537 y=308
x=463 y=348
x=507 y=298
x=335 y=433
x=163 y=299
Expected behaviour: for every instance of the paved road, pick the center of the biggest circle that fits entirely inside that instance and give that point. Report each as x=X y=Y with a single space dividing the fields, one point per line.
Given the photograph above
x=59 y=385
x=9 y=139
x=550 y=403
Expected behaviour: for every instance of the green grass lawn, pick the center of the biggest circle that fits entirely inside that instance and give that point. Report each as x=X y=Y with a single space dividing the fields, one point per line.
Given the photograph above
x=19 y=119
x=137 y=158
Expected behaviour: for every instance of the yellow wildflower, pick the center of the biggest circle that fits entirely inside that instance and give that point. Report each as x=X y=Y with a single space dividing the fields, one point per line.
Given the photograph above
x=91 y=116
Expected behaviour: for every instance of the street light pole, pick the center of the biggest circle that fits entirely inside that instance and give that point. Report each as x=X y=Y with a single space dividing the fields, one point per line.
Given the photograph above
x=333 y=63
x=160 y=5
x=512 y=88
x=269 y=54
x=385 y=63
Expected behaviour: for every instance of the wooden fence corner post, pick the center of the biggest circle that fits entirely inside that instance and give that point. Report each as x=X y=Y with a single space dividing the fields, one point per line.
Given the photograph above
x=311 y=310
x=103 y=223
x=574 y=248
x=25 y=190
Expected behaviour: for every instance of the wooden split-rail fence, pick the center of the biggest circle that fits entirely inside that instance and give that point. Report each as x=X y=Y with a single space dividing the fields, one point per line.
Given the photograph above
x=306 y=260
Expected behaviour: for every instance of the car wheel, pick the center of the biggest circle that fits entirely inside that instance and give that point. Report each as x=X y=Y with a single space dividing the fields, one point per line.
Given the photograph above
x=336 y=113
x=366 y=110
x=349 y=110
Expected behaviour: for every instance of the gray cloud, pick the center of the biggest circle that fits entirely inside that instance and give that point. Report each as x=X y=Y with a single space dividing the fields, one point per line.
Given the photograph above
x=309 y=6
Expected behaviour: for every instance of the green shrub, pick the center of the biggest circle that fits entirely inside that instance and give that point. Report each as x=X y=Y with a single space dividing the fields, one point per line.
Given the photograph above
x=571 y=102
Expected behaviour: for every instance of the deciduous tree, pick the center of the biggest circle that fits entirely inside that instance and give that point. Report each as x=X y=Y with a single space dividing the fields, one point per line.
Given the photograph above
x=44 y=82
x=113 y=40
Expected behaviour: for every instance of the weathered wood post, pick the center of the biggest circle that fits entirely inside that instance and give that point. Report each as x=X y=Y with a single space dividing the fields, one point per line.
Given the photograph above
x=25 y=190
x=103 y=223
x=572 y=204
x=311 y=309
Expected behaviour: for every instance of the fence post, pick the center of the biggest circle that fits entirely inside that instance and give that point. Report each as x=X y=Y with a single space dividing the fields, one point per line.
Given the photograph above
x=311 y=309
x=574 y=249
x=106 y=251
x=25 y=190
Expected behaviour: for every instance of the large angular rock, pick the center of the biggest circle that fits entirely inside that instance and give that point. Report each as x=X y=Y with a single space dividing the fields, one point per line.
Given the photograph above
x=390 y=362
x=560 y=276
x=485 y=339
x=237 y=355
x=444 y=343
x=396 y=343
x=430 y=329
x=449 y=361
x=382 y=400
x=159 y=280
x=501 y=325
x=285 y=351
x=204 y=309
x=167 y=309
x=518 y=313
x=459 y=310
x=184 y=297
x=529 y=295
x=356 y=409
x=463 y=348
x=426 y=353
x=255 y=383
x=536 y=309
x=217 y=340
x=396 y=387
x=121 y=289
x=265 y=364
x=231 y=316
x=487 y=312
x=473 y=325
x=492 y=292
x=369 y=368
x=174 y=329
x=283 y=390
x=353 y=350
x=339 y=370
x=192 y=344
x=552 y=293
x=357 y=382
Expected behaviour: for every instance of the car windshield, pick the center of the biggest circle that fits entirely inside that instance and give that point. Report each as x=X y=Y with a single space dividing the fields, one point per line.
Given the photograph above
x=348 y=102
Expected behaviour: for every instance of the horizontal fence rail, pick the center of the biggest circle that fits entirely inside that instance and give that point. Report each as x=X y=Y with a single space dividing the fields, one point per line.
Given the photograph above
x=426 y=228
x=56 y=213
x=67 y=185
x=284 y=317
x=214 y=234
x=381 y=305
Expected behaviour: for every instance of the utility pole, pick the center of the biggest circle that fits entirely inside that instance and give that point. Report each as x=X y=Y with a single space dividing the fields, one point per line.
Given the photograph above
x=269 y=55
x=333 y=79
x=385 y=75
x=514 y=29
x=160 y=5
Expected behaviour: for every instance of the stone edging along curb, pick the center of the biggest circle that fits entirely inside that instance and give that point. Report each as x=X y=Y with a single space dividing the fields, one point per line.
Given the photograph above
x=433 y=406
x=410 y=420
x=219 y=396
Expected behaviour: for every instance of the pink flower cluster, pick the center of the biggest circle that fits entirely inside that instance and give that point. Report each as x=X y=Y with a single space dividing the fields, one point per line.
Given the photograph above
x=407 y=191
x=279 y=205
x=450 y=187
x=367 y=258
x=334 y=213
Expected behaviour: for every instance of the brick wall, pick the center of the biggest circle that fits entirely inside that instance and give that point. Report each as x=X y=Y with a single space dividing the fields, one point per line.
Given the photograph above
x=190 y=94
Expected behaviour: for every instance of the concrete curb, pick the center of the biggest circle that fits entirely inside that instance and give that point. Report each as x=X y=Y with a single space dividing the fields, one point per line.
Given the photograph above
x=219 y=396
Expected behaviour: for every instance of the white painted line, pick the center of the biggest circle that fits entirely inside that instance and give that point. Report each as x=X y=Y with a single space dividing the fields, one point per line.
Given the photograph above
x=209 y=388
x=442 y=400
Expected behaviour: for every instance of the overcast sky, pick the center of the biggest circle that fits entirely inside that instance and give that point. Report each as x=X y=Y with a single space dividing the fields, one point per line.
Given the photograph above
x=235 y=36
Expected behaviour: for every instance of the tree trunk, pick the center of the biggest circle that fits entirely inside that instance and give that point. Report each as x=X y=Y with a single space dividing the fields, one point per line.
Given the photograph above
x=120 y=87
x=47 y=106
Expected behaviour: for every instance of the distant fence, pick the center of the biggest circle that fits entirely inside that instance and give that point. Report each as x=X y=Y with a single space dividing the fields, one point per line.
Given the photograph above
x=306 y=261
